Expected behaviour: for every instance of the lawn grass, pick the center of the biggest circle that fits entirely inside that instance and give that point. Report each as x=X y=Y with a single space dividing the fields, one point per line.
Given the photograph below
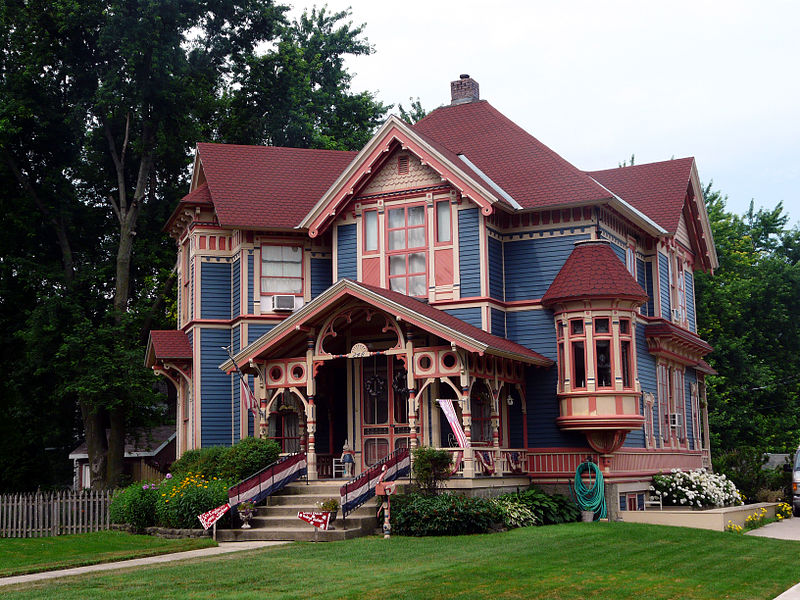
x=32 y=555
x=575 y=561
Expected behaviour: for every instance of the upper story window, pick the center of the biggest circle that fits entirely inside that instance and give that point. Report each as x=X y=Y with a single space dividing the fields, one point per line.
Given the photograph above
x=443 y=228
x=370 y=231
x=578 y=355
x=281 y=270
x=625 y=345
x=405 y=232
x=630 y=260
x=602 y=354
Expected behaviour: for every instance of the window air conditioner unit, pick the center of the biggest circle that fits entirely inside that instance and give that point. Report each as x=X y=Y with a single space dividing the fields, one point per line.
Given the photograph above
x=283 y=303
x=675 y=420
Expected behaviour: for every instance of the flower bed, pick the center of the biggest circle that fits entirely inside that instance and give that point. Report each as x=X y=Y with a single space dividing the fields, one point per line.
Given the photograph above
x=697 y=488
x=717 y=519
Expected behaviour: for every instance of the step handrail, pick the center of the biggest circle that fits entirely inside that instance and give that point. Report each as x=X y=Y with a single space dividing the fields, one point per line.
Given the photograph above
x=268 y=480
x=358 y=490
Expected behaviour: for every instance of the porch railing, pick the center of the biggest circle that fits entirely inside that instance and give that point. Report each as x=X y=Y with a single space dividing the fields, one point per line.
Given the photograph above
x=357 y=491
x=269 y=480
x=507 y=461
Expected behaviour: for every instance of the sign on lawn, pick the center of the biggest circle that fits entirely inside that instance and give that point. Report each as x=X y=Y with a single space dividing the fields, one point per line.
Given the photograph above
x=318 y=519
x=214 y=515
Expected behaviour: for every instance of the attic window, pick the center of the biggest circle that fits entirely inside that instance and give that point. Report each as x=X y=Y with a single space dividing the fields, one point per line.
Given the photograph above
x=402 y=164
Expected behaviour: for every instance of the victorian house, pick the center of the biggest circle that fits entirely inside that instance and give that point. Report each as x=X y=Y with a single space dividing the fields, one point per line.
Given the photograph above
x=457 y=259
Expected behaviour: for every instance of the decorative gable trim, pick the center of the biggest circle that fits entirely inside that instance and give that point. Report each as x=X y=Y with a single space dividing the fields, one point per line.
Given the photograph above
x=395 y=132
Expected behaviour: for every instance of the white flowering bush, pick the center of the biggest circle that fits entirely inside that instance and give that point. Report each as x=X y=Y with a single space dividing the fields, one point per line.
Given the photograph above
x=697 y=488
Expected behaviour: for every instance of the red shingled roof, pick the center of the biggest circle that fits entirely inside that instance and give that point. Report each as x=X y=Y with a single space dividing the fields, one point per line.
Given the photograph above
x=200 y=195
x=260 y=187
x=656 y=189
x=170 y=343
x=593 y=271
x=534 y=175
x=455 y=323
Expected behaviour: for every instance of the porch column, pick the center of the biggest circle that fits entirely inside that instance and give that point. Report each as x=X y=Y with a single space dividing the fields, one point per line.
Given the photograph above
x=412 y=418
x=311 y=454
x=495 y=416
x=469 y=455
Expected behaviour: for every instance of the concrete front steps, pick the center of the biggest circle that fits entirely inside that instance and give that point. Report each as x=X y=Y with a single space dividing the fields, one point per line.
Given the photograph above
x=277 y=521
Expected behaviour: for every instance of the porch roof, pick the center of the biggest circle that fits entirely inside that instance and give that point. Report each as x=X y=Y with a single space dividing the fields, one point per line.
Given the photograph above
x=167 y=344
x=413 y=311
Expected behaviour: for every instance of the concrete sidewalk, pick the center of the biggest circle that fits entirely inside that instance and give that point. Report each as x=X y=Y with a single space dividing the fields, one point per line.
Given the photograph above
x=223 y=548
x=788 y=529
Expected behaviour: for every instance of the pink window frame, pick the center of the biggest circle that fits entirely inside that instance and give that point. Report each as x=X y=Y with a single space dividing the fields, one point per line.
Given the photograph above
x=603 y=337
x=406 y=251
x=302 y=271
x=436 y=240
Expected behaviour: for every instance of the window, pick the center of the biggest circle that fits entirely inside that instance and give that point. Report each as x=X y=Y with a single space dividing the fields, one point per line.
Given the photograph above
x=626 y=355
x=630 y=260
x=406 y=250
x=370 y=231
x=281 y=270
x=578 y=355
x=443 y=230
x=602 y=347
x=481 y=420
x=284 y=428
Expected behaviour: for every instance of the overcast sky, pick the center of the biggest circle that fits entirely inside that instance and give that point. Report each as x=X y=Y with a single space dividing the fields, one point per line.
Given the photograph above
x=598 y=81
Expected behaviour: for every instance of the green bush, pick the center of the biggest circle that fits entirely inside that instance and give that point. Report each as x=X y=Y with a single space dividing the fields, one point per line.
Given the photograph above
x=207 y=461
x=431 y=467
x=247 y=457
x=182 y=499
x=546 y=509
x=745 y=468
x=446 y=514
x=135 y=505
x=513 y=512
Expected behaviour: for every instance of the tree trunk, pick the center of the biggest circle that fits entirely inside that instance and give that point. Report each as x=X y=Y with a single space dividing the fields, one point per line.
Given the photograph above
x=96 y=444
x=116 y=447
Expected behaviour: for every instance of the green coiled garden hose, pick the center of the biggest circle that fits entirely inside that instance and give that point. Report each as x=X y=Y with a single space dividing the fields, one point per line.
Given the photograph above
x=593 y=497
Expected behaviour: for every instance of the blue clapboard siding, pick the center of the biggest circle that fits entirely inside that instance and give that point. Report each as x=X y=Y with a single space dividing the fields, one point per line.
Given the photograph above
x=515 y=416
x=498 y=322
x=689 y=377
x=215 y=295
x=236 y=283
x=648 y=278
x=256 y=331
x=236 y=335
x=635 y=438
x=496 y=269
x=468 y=315
x=532 y=264
x=346 y=252
x=191 y=292
x=619 y=251
x=543 y=410
x=250 y=309
x=215 y=389
x=469 y=252
x=646 y=364
x=690 y=309
x=533 y=329
x=663 y=285
x=321 y=275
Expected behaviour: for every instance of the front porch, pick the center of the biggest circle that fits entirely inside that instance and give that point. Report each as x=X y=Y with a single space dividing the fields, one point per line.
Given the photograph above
x=360 y=372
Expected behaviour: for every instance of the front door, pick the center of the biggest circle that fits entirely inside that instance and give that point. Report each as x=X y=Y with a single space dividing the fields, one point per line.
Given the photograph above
x=384 y=410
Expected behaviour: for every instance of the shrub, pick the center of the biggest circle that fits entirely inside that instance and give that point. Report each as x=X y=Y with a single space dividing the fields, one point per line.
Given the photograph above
x=695 y=488
x=745 y=467
x=207 y=461
x=247 y=457
x=446 y=514
x=546 y=509
x=135 y=505
x=513 y=512
x=431 y=467
x=180 y=500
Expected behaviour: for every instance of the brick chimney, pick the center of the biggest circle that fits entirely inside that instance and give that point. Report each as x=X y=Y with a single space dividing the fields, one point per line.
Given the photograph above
x=464 y=89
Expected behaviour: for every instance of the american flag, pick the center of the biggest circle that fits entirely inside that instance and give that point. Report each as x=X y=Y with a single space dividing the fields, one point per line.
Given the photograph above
x=249 y=400
x=452 y=418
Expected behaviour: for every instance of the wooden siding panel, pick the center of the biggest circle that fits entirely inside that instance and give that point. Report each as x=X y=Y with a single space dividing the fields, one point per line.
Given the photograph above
x=346 y=252
x=498 y=323
x=216 y=400
x=443 y=267
x=543 y=410
x=236 y=284
x=534 y=329
x=532 y=264
x=690 y=308
x=496 y=269
x=468 y=315
x=251 y=285
x=256 y=331
x=321 y=275
x=371 y=271
x=515 y=430
x=646 y=370
x=619 y=251
x=663 y=286
x=469 y=252
x=215 y=293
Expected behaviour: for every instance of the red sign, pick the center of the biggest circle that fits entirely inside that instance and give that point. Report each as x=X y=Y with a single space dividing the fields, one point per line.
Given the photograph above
x=318 y=519
x=209 y=518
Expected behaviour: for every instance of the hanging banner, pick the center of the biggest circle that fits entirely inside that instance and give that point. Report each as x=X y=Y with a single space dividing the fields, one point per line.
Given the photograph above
x=452 y=418
x=319 y=519
x=207 y=519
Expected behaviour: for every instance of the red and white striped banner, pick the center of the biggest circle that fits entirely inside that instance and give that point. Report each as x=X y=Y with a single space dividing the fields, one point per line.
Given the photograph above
x=452 y=418
x=318 y=519
x=215 y=514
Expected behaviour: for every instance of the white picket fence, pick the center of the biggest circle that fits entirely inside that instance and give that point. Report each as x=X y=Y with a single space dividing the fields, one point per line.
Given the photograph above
x=53 y=513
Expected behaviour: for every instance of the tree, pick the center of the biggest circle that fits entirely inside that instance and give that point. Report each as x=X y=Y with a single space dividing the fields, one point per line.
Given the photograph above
x=100 y=103
x=414 y=113
x=747 y=311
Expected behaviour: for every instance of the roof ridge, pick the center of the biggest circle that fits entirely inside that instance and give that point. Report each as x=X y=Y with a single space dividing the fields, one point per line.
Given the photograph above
x=649 y=164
